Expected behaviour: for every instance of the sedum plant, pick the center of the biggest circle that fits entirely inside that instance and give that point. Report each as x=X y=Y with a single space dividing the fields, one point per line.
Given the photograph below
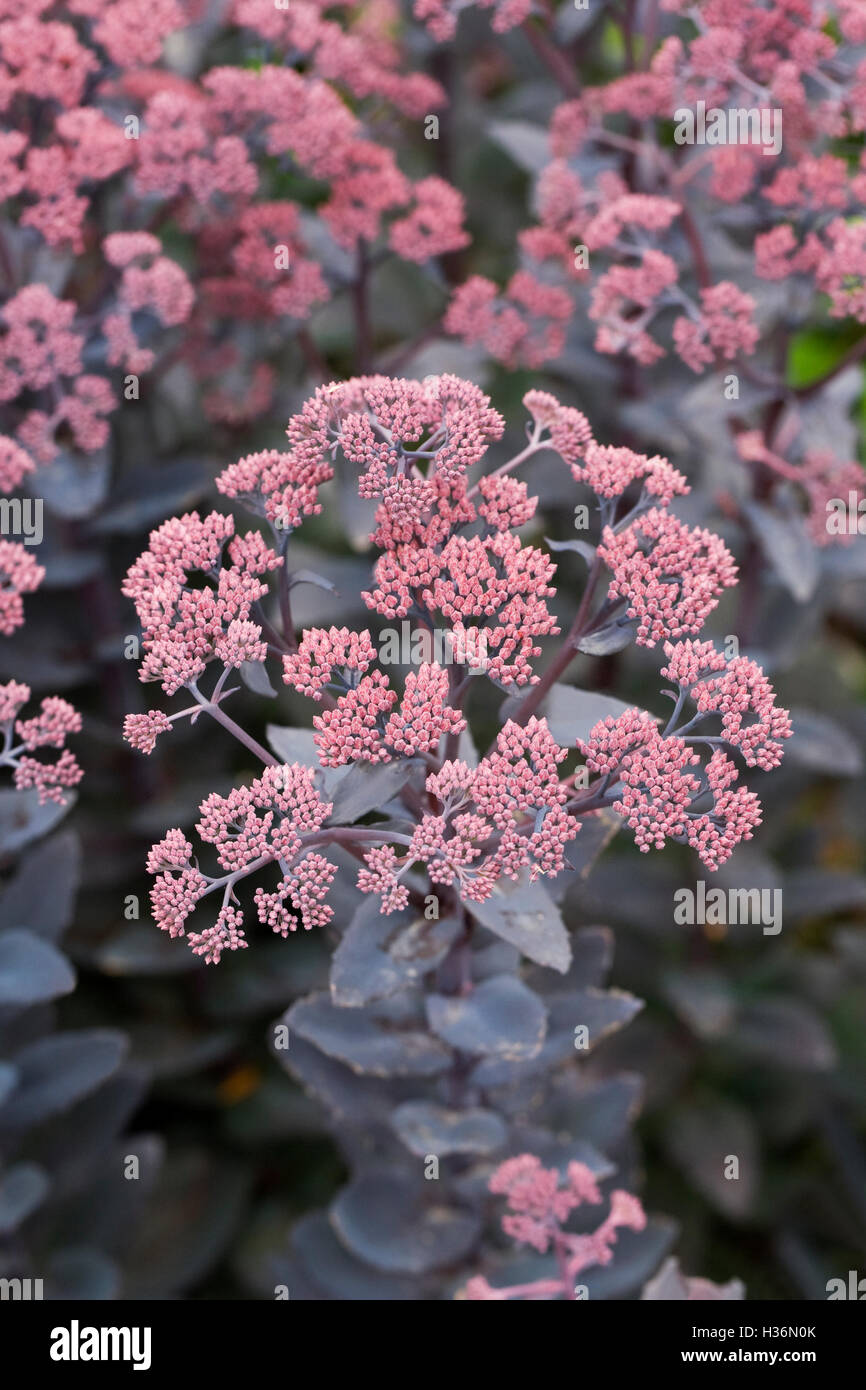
x=441 y=1016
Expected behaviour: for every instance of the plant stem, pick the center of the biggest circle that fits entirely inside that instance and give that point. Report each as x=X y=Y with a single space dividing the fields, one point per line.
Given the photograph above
x=558 y=66
x=228 y=723
x=532 y=701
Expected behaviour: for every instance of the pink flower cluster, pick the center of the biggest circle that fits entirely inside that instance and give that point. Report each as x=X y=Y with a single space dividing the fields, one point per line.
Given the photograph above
x=623 y=216
x=364 y=724
x=497 y=819
x=449 y=561
x=440 y=16
x=670 y=575
x=539 y=1202
x=524 y=326
x=151 y=282
x=19 y=574
x=50 y=728
x=183 y=627
x=15 y=464
x=823 y=479
x=104 y=128
x=660 y=785
x=40 y=351
x=270 y=822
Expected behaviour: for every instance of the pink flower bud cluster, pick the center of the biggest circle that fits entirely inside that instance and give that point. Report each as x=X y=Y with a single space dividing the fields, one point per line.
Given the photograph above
x=661 y=787
x=142 y=730
x=151 y=282
x=435 y=224
x=40 y=352
x=185 y=628
x=366 y=60
x=736 y=689
x=106 y=135
x=498 y=819
x=15 y=464
x=524 y=326
x=539 y=1202
x=623 y=217
x=670 y=575
x=494 y=583
x=440 y=16
x=281 y=486
x=379 y=423
x=451 y=563
x=570 y=431
x=413 y=443
x=363 y=723
x=19 y=574
x=257 y=826
x=321 y=652
x=50 y=728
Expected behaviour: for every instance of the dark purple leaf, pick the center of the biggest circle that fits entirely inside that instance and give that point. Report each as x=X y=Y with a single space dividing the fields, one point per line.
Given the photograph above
x=397 y=1226
x=500 y=1018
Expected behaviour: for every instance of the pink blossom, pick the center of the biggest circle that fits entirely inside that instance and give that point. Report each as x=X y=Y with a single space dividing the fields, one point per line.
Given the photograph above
x=173 y=897
x=226 y=934
x=284 y=487
x=354 y=727
x=526 y=326
x=424 y=714
x=735 y=689
x=51 y=780
x=435 y=224
x=50 y=728
x=38 y=344
x=841 y=272
x=570 y=431
x=15 y=464
x=142 y=730
x=320 y=652
x=380 y=877
x=183 y=629
x=45 y=60
x=673 y=584
x=19 y=574
x=506 y=505
x=538 y=1205
x=131 y=35
x=12 y=696
x=610 y=471
x=724 y=328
